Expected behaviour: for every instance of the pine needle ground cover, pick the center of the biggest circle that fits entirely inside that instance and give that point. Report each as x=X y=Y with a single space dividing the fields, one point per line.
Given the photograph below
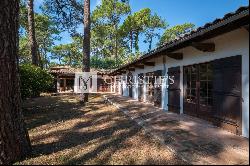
x=64 y=132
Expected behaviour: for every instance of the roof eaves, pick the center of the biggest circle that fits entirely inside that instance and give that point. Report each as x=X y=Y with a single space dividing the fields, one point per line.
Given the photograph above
x=230 y=17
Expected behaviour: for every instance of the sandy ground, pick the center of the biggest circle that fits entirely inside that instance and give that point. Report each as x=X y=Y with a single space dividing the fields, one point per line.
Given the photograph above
x=64 y=132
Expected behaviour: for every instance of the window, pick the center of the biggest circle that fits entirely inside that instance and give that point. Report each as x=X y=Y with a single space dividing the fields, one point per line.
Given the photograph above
x=199 y=84
x=61 y=82
x=70 y=82
x=191 y=77
x=206 y=84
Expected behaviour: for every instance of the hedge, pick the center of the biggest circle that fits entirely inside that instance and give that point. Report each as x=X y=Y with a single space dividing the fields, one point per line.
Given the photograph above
x=34 y=80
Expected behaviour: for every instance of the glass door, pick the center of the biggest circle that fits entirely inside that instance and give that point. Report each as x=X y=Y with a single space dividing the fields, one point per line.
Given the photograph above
x=205 y=90
x=190 y=93
x=198 y=85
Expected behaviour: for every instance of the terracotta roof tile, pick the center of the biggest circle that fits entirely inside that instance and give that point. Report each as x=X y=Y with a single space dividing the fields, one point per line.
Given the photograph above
x=71 y=70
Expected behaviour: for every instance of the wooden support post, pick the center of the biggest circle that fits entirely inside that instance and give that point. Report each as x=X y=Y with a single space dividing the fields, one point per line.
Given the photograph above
x=149 y=63
x=205 y=47
x=64 y=84
x=246 y=27
x=131 y=69
x=139 y=66
x=57 y=84
x=164 y=59
x=177 y=56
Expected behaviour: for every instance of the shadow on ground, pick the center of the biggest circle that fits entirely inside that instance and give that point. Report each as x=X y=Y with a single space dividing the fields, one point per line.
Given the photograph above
x=64 y=132
x=194 y=140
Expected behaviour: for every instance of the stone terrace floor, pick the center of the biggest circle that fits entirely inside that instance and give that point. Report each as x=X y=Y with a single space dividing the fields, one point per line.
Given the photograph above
x=194 y=140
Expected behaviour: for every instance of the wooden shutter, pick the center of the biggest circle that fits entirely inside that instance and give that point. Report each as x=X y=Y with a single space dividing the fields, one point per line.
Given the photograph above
x=150 y=87
x=140 y=86
x=157 y=89
x=174 y=90
x=227 y=93
x=130 y=84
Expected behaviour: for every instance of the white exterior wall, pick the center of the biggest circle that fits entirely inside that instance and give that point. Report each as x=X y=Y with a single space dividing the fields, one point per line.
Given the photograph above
x=124 y=86
x=227 y=45
x=119 y=88
x=135 y=87
x=164 y=89
x=158 y=66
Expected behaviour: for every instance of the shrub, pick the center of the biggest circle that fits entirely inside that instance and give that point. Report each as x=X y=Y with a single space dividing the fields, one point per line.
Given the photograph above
x=34 y=80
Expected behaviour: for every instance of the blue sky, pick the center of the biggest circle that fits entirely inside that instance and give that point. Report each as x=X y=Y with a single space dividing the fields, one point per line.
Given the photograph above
x=198 y=12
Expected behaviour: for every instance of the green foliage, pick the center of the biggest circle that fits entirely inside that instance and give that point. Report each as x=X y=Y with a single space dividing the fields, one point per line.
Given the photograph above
x=103 y=63
x=110 y=11
x=34 y=80
x=67 y=14
x=175 y=32
x=141 y=22
x=46 y=34
x=23 y=16
x=24 y=55
x=69 y=54
x=111 y=63
x=134 y=25
x=106 y=42
x=155 y=24
x=115 y=33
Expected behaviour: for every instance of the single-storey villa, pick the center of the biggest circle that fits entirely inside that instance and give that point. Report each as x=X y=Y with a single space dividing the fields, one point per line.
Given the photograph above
x=65 y=79
x=210 y=67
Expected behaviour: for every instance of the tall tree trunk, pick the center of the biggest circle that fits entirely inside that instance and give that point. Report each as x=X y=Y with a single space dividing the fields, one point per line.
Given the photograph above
x=131 y=41
x=40 y=60
x=32 y=33
x=86 y=42
x=116 y=48
x=116 y=44
x=131 y=32
x=14 y=140
x=150 y=44
x=137 y=49
x=46 y=59
x=116 y=32
x=70 y=59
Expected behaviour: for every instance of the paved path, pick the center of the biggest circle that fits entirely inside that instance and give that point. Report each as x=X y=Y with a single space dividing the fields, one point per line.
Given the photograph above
x=194 y=140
